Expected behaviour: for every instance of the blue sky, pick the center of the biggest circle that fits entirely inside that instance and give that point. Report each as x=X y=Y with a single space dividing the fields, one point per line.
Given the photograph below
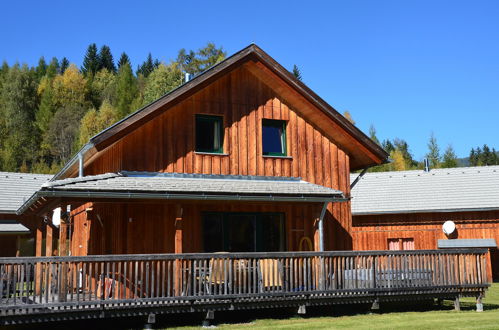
x=407 y=67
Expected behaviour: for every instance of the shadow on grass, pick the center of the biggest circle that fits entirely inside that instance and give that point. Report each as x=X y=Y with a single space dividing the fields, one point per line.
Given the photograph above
x=250 y=316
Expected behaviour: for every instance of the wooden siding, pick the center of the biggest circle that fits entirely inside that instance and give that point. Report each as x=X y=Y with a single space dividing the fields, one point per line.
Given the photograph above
x=371 y=232
x=166 y=144
x=120 y=228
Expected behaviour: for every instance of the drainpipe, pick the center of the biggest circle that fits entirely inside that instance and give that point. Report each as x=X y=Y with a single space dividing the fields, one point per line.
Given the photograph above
x=321 y=226
x=358 y=178
x=80 y=165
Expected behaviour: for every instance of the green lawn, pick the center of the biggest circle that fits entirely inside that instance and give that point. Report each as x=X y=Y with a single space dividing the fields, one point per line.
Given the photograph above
x=422 y=317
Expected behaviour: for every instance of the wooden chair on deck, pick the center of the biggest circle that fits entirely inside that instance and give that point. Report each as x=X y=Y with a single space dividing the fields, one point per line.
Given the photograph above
x=270 y=274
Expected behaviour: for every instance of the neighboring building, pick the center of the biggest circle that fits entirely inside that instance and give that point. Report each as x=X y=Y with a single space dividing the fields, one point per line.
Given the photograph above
x=406 y=210
x=240 y=134
x=15 y=189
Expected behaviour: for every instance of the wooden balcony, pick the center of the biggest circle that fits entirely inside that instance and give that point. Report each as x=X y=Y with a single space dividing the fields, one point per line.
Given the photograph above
x=59 y=288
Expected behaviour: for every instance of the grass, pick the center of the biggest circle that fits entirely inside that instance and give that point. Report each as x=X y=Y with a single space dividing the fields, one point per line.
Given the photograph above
x=390 y=317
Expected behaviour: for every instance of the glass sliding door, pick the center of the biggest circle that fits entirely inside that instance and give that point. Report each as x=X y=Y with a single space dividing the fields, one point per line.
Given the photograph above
x=243 y=232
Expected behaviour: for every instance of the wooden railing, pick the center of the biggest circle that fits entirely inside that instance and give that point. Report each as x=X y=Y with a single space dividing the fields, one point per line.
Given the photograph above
x=38 y=284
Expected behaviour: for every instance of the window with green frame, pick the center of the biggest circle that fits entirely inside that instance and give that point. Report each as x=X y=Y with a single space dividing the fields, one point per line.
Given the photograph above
x=209 y=134
x=274 y=137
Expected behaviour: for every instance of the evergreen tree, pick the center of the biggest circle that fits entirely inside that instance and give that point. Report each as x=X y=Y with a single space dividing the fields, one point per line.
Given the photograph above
x=91 y=61
x=478 y=155
x=449 y=158
x=126 y=90
x=124 y=59
x=64 y=65
x=433 y=154
x=106 y=59
x=19 y=102
x=473 y=159
x=53 y=68
x=388 y=145
x=104 y=86
x=147 y=67
x=297 y=72
x=41 y=69
x=46 y=109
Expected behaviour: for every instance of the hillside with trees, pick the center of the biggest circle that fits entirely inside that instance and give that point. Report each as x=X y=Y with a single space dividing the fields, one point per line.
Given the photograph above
x=47 y=112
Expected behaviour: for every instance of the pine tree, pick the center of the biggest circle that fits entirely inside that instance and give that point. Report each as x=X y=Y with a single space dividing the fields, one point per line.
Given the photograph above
x=388 y=146
x=91 y=61
x=126 y=90
x=449 y=158
x=297 y=72
x=41 y=69
x=64 y=65
x=124 y=59
x=433 y=154
x=106 y=59
x=53 y=68
x=472 y=157
x=147 y=67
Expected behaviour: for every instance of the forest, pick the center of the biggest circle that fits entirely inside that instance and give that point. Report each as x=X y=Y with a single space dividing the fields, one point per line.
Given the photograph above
x=48 y=111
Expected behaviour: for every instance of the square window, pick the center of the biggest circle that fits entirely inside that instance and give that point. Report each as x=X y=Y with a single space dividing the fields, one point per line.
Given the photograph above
x=274 y=137
x=209 y=134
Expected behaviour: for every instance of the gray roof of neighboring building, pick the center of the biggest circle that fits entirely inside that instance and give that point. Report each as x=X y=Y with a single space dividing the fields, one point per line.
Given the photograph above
x=16 y=188
x=12 y=227
x=467 y=243
x=440 y=190
x=187 y=186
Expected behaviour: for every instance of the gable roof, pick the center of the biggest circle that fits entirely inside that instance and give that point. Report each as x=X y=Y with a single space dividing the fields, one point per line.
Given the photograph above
x=440 y=190
x=363 y=154
x=147 y=185
x=16 y=188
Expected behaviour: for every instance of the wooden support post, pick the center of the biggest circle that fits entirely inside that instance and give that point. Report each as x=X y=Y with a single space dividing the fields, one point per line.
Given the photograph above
x=18 y=246
x=63 y=251
x=151 y=319
x=488 y=266
x=178 y=249
x=457 y=304
x=479 y=305
x=48 y=238
x=38 y=253
x=208 y=319
x=63 y=237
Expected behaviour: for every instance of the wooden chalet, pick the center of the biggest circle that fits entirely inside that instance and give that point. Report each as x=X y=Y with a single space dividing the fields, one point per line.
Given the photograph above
x=406 y=210
x=232 y=191
x=17 y=231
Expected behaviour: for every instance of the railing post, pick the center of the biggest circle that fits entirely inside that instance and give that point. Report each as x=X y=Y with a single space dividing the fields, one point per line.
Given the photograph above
x=375 y=261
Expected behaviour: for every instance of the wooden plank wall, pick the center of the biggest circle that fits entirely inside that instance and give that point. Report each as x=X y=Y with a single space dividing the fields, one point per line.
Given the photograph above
x=373 y=231
x=166 y=144
x=149 y=227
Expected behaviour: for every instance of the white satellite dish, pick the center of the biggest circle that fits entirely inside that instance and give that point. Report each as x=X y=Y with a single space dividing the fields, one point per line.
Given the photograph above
x=449 y=227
